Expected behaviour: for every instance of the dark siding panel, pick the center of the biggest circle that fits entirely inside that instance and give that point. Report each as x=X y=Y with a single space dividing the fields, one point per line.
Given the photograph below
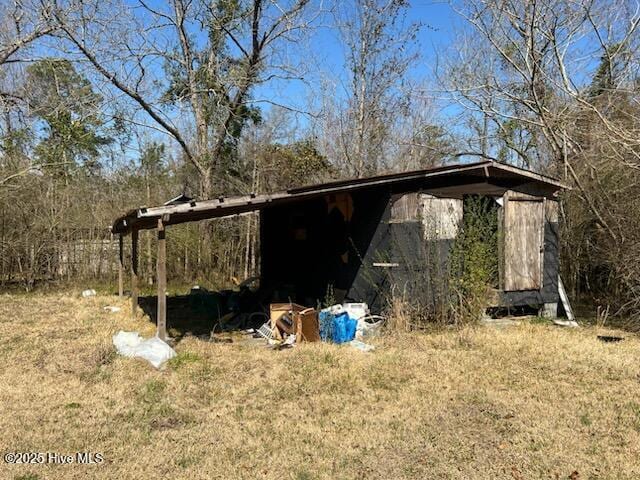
x=304 y=270
x=370 y=243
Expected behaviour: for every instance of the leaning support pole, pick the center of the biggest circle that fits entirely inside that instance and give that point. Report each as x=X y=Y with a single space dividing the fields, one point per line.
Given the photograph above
x=134 y=272
x=161 y=270
x=120 y=266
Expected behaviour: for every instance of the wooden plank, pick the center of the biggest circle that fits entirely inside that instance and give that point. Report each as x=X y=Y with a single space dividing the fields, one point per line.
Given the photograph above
x=542 y=227
x=405 y=208
x=134 y=272
x=551 y=211
x=458 y=191
x=161 y=271
x=514 y=195
x=523 y=243
x=120 y=266
x=565 y=300
x=501 y=246
x=441 y=217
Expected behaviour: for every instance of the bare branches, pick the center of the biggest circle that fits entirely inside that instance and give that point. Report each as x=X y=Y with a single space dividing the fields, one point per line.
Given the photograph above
x=380 y=47
x=211 y=54
x=23 y=25
x=31 y=169
x=133 y=94
x=554 y=84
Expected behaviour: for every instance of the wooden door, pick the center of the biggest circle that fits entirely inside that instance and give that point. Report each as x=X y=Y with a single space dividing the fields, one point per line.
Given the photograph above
x=523 y=244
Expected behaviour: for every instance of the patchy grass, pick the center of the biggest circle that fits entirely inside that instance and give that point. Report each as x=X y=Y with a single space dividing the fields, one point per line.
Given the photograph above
x=529 y=401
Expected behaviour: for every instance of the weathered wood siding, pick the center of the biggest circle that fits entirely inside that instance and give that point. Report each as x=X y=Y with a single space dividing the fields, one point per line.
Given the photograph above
x=523 y=242
x=441 y=217
x=405 y=208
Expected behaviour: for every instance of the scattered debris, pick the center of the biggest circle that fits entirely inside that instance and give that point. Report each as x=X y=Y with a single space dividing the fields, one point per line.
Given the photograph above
x=565 y=323
x=290 y=318
x=265 y=331
x=564 y=298
x=307 y=327
x=89 y=293
x=111 y=309
x=289 y=323
x=289 y=342
x=154 y=350
x=609 y=338
x=369 y=326
x=363 y=347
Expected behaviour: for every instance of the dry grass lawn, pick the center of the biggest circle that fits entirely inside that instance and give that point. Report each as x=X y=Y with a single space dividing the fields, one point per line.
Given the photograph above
x=525 y=402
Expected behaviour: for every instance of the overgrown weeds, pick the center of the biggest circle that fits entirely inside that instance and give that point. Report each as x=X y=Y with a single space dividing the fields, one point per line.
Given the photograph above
x=473 y=261
x=458 y=280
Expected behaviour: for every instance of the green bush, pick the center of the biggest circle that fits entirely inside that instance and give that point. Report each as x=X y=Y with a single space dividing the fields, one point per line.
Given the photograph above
x=473 y=260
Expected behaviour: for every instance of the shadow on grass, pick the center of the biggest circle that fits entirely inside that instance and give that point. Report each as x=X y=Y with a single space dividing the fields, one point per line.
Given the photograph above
x=201 y=313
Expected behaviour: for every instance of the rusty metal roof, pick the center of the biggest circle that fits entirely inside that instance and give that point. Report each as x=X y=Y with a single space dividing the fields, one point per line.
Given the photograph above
x=464 y=174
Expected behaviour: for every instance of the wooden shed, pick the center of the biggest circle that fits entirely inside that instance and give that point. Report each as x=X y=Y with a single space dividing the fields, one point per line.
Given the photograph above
x=361 y=239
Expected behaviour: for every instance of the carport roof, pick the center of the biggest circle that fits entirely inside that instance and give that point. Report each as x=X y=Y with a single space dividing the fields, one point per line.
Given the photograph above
x=469 y=176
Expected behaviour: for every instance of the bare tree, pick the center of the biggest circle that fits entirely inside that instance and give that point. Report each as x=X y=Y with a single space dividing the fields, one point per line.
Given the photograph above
x=553 y=86
x=190 y=66
x=379 y=44
x=21 y=23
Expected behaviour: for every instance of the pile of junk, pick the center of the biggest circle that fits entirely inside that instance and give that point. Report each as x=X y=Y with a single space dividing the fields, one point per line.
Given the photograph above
x=290 y=323
x=248 y=310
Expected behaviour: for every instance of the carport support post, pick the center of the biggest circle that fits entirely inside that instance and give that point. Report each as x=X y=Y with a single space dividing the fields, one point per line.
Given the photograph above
x=161 y=270
x=120 y=266
x=134 y=272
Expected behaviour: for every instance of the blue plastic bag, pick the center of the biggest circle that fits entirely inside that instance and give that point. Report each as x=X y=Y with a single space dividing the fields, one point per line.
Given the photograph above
x=344 y=328
x=326 y=325
x=340 y=327
x=351 y=326
x=337 y=327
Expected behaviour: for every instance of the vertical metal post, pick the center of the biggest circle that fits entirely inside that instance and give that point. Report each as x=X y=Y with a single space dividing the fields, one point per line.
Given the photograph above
x=161 y=270
x=134 y=272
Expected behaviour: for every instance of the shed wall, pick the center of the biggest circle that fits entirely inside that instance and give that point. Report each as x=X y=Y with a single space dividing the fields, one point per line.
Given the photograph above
x=309 y=251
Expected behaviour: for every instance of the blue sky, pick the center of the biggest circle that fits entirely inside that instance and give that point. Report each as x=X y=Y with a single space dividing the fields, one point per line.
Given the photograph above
x=327 y=55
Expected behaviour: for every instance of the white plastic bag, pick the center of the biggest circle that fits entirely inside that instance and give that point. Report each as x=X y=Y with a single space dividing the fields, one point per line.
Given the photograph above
x=356 y=310
x=154 y=350
x=369 y=325
x=334 y=309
